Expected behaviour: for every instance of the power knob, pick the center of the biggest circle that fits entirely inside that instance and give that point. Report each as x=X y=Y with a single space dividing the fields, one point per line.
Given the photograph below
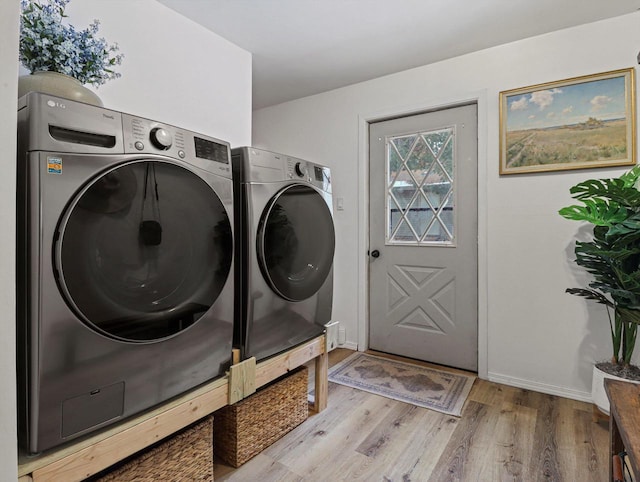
x=161 y=138
x=301 y=169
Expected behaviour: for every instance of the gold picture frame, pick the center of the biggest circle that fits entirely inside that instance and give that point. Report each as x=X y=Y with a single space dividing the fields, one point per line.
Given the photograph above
x=578 y=123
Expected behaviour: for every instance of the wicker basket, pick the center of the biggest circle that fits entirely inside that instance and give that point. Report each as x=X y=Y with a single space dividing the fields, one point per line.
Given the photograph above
x=244 y=429
x=186 y=456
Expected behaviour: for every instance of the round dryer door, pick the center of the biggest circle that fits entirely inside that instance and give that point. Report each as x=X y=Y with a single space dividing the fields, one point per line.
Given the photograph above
x=145 y=250
x=296 y=242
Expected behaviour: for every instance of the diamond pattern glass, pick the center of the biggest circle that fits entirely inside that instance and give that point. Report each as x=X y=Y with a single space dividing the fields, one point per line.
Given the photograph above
x=421 y=188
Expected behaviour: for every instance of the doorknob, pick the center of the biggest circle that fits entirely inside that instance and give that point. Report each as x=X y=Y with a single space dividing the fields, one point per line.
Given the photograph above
x=375 y=253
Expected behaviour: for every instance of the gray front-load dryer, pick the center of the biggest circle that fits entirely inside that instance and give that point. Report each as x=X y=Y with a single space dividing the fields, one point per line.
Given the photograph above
x=285 y=243
x=125 y=250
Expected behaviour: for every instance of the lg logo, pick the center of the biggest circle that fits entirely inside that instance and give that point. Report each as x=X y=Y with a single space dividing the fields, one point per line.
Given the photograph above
x=53 y=103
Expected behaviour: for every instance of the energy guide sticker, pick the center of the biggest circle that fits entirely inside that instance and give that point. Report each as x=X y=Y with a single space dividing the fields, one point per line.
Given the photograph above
x=54 y=165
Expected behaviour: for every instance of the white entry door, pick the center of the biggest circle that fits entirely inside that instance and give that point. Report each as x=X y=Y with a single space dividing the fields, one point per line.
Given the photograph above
x=423 y=241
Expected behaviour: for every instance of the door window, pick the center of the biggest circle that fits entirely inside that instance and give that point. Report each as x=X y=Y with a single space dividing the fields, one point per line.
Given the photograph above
x=296 y=242
x=145 y=250
x=420 y=179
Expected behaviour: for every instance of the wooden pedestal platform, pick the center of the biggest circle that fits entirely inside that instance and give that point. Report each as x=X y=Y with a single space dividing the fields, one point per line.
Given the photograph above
x=85 y=457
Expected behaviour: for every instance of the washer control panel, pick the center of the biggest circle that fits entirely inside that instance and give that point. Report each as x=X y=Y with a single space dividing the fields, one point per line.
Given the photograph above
x=146 y=136
x=149 y=137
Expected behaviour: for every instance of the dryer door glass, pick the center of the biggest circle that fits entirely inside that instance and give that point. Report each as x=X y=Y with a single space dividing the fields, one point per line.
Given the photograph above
x=145 y=251
x=296 y=241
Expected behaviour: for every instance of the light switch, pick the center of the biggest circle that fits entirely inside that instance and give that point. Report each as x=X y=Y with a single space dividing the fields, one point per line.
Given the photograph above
x=340 y=204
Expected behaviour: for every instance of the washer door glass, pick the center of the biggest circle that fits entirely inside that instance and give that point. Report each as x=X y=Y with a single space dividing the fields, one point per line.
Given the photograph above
x=145 y=251
x=296 y=242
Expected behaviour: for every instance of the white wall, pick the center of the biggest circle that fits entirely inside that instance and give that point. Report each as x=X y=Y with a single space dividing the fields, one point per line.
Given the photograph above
x=174 y=71
x=534 y=335
x=8 y=104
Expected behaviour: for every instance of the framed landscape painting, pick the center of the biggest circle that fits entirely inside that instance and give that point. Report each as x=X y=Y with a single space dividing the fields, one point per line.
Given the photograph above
x=576 y=123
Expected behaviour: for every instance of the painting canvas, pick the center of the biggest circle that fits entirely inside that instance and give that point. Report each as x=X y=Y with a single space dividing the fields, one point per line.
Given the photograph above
x=578 y=123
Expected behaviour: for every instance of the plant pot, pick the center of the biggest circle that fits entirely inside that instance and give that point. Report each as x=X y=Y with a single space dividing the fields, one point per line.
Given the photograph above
x=57 y=84
x=598 y=394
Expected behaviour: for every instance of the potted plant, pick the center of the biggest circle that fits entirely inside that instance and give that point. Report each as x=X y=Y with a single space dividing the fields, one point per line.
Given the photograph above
x=612 y=206
x=61 y=58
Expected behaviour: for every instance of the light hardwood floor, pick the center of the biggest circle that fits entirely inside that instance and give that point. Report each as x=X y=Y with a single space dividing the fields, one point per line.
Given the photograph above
x=504 y=434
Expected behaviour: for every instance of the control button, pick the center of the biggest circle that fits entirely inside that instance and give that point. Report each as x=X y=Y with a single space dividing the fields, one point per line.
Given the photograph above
x=161 y=138
x=181 y=154
x=301 y=169
x=139 y=145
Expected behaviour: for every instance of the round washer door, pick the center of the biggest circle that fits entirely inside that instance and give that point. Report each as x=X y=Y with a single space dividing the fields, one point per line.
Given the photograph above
x=296 y=242
x=145 y=250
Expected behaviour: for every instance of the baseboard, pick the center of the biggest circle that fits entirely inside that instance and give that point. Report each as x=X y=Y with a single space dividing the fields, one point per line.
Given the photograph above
x=541 y=387
x=349 y=345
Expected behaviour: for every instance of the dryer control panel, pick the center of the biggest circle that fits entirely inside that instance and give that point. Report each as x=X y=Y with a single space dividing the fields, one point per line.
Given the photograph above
x=253 y=165
x=319 y=176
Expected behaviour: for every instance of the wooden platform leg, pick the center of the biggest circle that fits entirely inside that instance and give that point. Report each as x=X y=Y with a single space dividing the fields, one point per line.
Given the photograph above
x=322 y=367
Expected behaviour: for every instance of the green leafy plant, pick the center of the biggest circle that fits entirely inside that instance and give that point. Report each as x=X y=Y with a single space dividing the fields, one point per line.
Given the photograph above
x=612 y=206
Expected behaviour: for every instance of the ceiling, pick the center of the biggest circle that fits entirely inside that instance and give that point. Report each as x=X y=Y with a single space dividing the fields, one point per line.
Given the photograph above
x=304 y=47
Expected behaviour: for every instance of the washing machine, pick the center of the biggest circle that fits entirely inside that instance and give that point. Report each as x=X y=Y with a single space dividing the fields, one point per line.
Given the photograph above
x=285 y=243
x=124 y=267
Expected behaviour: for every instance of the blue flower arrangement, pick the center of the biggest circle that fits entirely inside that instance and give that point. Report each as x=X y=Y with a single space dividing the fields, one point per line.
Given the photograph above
x=46 y=44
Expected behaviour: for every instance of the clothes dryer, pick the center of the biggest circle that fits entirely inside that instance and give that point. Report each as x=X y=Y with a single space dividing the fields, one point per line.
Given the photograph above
x=124 y=272
x=285 y=243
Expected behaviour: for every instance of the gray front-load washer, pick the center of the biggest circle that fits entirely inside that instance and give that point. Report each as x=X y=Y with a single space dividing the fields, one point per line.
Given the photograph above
x=285 y=242
x=125 y=249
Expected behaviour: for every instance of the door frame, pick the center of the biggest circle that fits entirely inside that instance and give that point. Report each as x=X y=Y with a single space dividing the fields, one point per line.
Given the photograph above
x=480 y=99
